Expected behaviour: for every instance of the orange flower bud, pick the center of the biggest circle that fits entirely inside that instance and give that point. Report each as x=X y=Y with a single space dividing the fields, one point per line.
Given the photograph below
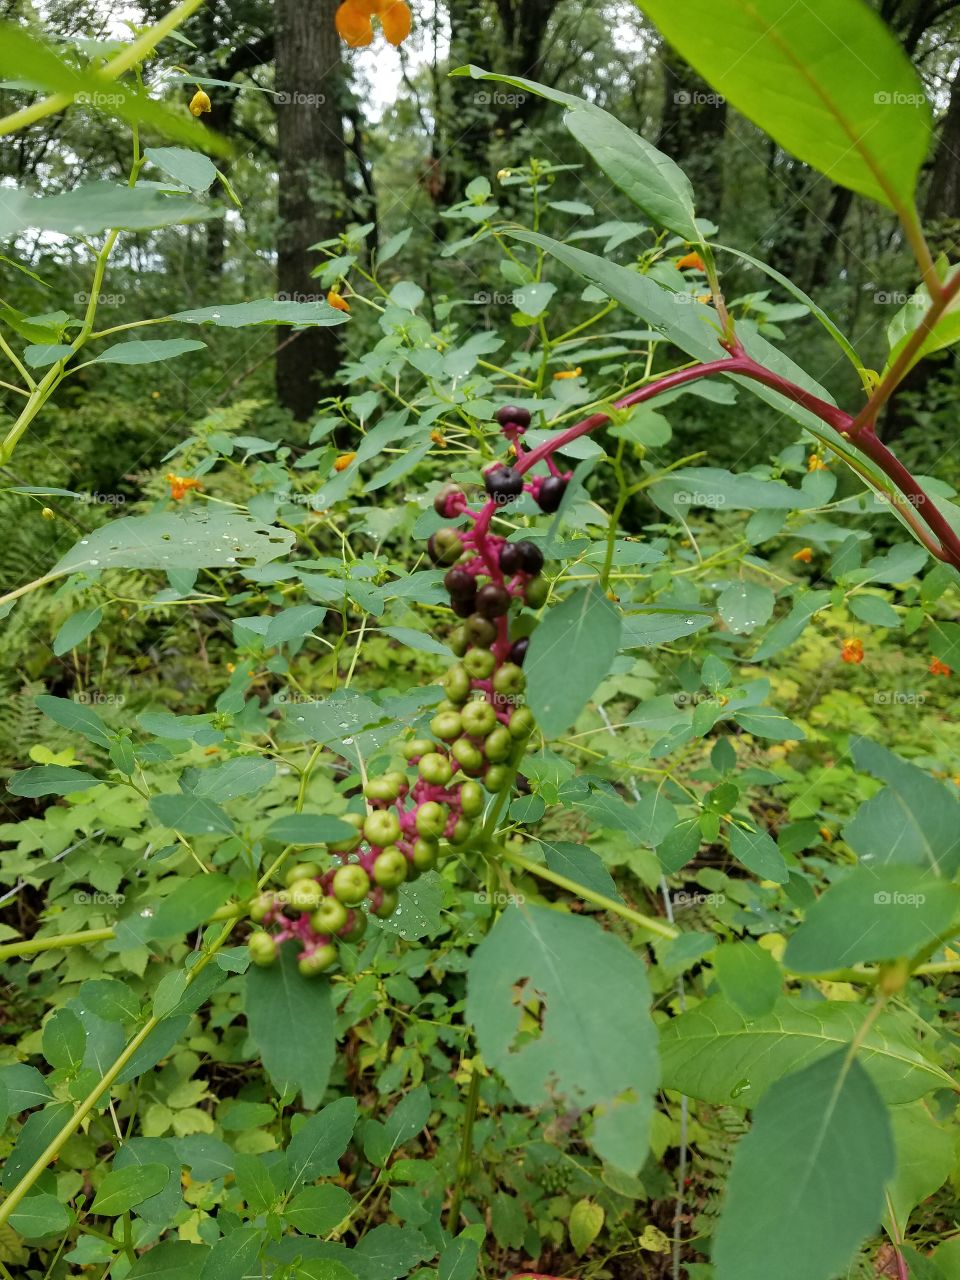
x=396 y=20
x=805 y=554
x=343 y=461
x=353 y=25
x=852 y=650
x=199 y=103
x=337 y=300
x=938 y=668
x=690 y=262
x=180 y=484
x=568 y=373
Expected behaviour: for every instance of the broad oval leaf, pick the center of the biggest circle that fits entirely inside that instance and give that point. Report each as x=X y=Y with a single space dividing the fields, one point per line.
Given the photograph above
x=290 y=1018
x=570 y=653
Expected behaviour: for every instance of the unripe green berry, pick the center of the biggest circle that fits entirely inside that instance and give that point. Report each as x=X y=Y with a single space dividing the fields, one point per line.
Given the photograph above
x=302 y=871
x=467 y=755
x=349 y=843
x=425 y=854
x=351 y=884
x=263 y=949
x=329 y=917
x=435 y=769
x=317 y=961
x=390 y=868
x=472 y=799
x=461 y=831
x=459 y=641
x=535 y=593
x=478 y=718
x=446 y=726
x=479 y=663
x=381 y=828
x=497 y=777
x=388 y=904
x=384 y=788
x=498 y=746
x=480 y=630
x=356 y=927
x=416 y=747
x=431 y=820
x=304 y=895
x=260 y=907
x=522 y=723
x=456 y=684
x=509 y=680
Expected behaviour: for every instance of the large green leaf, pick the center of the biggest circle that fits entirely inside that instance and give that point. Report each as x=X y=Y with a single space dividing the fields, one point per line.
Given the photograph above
x=806 y=1187
x=190 y=168
x=925 y=1158
x=95 y=207
x=262 y=311
x=121 y=1189
x=320 y=1141
x=716 y=1053
x=654 y=182
x=149 y=352
x=51 y=780
x=827 y=81
x=191 y=539
x=570 y=653
x=290 y=1018
x=561 y=1010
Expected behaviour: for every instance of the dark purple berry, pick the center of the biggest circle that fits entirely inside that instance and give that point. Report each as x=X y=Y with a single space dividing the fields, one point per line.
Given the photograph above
x=531 y=557
x=523 y=784
x=518 y=650
x=461 y=584
x=463 y=608
x=444 y=546
x=492 y=600
x=503 y=484
x=551 y=493
x=442 y=496
x=510 y=558
x=513 y=413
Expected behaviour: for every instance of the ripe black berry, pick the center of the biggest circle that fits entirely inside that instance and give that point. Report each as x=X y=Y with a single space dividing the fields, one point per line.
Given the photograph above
x=492 y=600
x=463 y=608
x=503 y=484
x=531 y=557
x=461 y=584
x=518 y=650
x=509 y=558
x=513 y=413
x=551 y=493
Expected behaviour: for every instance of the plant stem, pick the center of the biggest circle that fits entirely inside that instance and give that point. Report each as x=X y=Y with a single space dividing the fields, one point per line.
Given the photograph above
x=465 y=1159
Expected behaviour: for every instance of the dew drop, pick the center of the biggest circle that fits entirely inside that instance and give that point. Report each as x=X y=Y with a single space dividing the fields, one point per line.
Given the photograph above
x=146 y=913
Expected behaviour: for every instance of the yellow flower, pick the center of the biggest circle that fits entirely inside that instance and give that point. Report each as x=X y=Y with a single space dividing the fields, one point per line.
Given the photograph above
x=48 y=513
x=690 y=262
x=567 y=373
x=502 y=173
x=199 y=103
x=338 y=301
x=805 y=554
x=852 y=650
x=343 y=461
x=180 y=484
x=816 y=463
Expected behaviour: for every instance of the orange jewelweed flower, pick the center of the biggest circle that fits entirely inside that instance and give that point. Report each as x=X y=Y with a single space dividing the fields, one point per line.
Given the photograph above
x=354 y=25
x=852 y=650
x=180 y=484
x=805 y=554
x=568 y=373
x=691 y=262
x=438 y=438
x=343 y=461
x=338 y=301
x=816 y=463
x=938 y=668
x=199 y=103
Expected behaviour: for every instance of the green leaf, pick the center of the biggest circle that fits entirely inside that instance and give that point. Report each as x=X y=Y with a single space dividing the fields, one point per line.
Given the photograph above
x=459 y=1259
x=234 y=1257
x=828 y=82
x=807 y=1180
x=241 y=776
x=236 y=315
x=64 y=1039
x=649 y=178
x=95 y=207
x=191 y=815
x=318 y=1144
x=190 y=904
x=577 y=862
x=45 y=353
x=718 y=1054
x=24 y=1087
x=874 y=913
x=40 y=1215
x=925 y=1158
x=75 y=630
x=51 y=780
x=177 y=540
x=293 y=624
x=290 y=1019
x=150 y=351
x=308 y=828
x=189 y=168
x=121 y=1189
x=405 y=1121
x=75 y=716
x=745 y=605
x=586 y=1222
x=560 y=1009
x=758 y=853
x=748 y=976
x=579 y=637
x=38 y=1131
x=315 y=1211
x=874 y=610
x=170 y=1260
x=914 y=819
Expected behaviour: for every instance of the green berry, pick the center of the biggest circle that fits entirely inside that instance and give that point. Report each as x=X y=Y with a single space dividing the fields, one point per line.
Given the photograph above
x=431 y=820
x=349 y=843
x=459 y=641
x=478 y=718
x=535 y=593
x=304 y=895
x=445 y=546
x=472 y=799
x=480 y=630
x=446 y=726
x=381 y=828
x=498 y=746
x=385 y=788
x=522 y=723
x=467 y=755
x=356 y=927
x=509 y=680
x=317 y=961
x=388 y=904
x=435 y=769
x=390 y=868
x=479 y=663
x=425 y=854
x=456 y=684
x=260 y=907
x=263 y=949
x=302 y=871
x=351 y=884
x=461 y=831
x=416 y=747
x=497 y=777
x=329 y=917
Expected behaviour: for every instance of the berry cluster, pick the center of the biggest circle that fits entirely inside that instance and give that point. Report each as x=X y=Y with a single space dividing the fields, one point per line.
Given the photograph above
x=478 y=733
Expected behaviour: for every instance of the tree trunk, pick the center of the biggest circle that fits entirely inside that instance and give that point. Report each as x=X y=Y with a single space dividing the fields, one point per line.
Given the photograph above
x=692 y=128
x=312 y=186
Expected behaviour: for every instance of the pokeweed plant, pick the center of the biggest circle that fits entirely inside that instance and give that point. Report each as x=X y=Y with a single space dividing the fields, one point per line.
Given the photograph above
x=384 y=843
